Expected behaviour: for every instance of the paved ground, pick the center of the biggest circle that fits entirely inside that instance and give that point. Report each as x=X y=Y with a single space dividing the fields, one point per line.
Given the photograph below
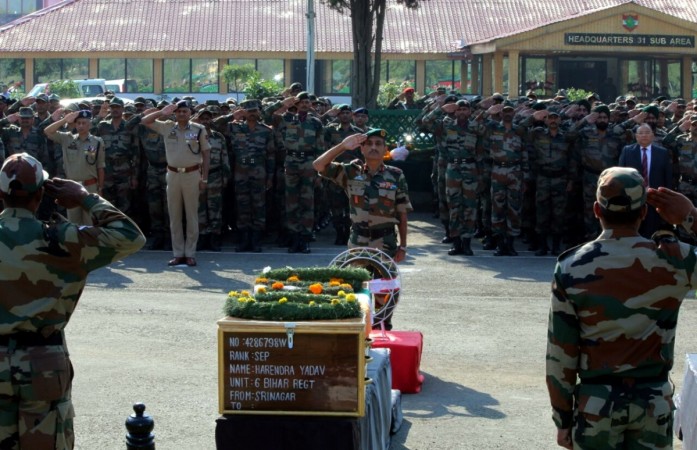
x=145 y=332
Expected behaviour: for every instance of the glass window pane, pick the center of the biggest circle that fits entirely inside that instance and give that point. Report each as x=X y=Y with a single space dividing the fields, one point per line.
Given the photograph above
x=250 y=63
x=12 y=73
x=401 y=72
x=14 y=6
x=442 y=73
x=177 y=75
x=76 y=69
x=341 y=76
x=46 y=70
x=668 y=76
x=204 y=75
x=112 y=69
x=535 y=75
x=271 y=69
x=28 y=6
x=140 y=75
x=639 y=79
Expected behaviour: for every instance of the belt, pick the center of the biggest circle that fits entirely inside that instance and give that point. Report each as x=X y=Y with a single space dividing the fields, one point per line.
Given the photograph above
x=89 y=182
x=303 y=155
x=183 y=169
x=506 y=163
x=462 y=161
x=374 y=234
x=31 y=339
x=618 y=381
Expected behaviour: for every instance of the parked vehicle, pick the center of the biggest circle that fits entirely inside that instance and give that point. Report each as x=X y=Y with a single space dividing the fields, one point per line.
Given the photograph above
x=122 y=85
x=91 y=87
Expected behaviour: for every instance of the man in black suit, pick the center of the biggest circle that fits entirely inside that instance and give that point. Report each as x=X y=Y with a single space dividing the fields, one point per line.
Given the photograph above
x=654 y=164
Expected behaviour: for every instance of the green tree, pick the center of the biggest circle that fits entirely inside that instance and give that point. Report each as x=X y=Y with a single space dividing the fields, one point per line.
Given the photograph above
x=237 y=76
x=65 y=89
x=573 y=94
x=367 y=24
x=258 y=88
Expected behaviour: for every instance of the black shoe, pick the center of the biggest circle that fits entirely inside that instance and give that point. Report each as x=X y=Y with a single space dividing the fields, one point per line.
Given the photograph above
x=480 y=233
x=509 y=246
x=535 y=241
x=501 y=246
x=255 y=242
x=243 y=243
x=466 y=248
x=304 y=245
x=294 y=243
x=456 y=249
x=214 y=243
x=489 y=243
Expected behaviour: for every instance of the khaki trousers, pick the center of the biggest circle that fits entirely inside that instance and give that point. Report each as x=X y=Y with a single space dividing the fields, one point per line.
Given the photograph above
x=182 y=201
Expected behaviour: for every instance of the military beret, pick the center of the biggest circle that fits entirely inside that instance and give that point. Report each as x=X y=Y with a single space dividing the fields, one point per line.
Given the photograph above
x=115 y=101
x=680 y=101
x=162 y=103
x=130 y=109
x=183 y=104
x=319 y=101
x=450 y=99
x=621 y=189
x=251 y=104
x=224 y=106
x=584 y=103
x=21 y=175
x=658 y=99
x=54 y=98
x=42 y=98
x=98 y=102
x=601 y=109
x=408 y=90
x=302 y=96
x=204 y=111
x=213 y=109
x=344 y=107
x=84 y=114
x=26 y=112
x=631 y=98
x=361 y=111
x=652 y=109
x=463 y=104
x=476 y=99
x=212 y=102
x=296 y=86
x=379 y=132
x=508 y=108
x=139 y=101
x=552 y=112
x=538 y=106
x=620 y=99
x=498 y=97
x=72 y=107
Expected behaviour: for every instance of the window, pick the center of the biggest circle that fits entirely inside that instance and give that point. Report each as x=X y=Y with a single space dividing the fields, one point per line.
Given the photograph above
x=190 y=75
x=13 y=9
x=269 y=69
x=341 y=76
x=12 y=72
x=46 y=70
x=534 y=77
x=443 y=74
x=127 y=75
x=399 y=72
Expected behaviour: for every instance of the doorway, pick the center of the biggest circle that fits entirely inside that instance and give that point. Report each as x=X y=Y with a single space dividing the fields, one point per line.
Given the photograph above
x=587 y=75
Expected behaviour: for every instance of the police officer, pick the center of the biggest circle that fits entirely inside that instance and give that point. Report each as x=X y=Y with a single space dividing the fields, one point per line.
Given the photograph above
x=53 y=259
x=187 y=150
x=83 y=155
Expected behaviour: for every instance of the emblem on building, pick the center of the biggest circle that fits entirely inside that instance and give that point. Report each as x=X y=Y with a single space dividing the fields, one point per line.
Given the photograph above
x=630 y=21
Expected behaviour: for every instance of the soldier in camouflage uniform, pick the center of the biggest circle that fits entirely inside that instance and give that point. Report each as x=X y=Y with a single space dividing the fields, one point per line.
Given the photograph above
x=458 y=138
x=509 y=169
x=45 y=266
x=685 y=147
x=122 y=156
x=550 y=155
x=612 y=322
x=303 y=140
x=378 y=195
x=597 y=147
x=334 y=134
x=210 y=211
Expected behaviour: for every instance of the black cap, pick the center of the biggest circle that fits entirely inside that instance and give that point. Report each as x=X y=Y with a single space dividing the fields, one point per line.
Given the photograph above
x=296 y=86
x=183 y=104
x=361 y=111
x=84 y=114
x=139 y=101
x=302 y=96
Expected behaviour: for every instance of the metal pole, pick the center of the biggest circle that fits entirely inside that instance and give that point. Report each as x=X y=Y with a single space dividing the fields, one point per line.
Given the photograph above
x=310 y=80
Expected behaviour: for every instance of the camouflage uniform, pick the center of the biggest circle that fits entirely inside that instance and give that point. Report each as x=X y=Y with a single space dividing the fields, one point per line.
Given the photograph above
x=41 y=289
x=550 y=158
x=122 y=160
x=611 y=337
x=210 y=211
x=509 y=168
x=685 y=147
x=376 y=201
x=593 y=153
x=336 y=198
x=303 y=140
x=153 y=146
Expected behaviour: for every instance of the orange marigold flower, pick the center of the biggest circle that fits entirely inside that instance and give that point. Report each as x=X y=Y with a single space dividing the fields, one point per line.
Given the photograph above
x=316 y=288
x=261 y=290
x=261 y=280
x=293 y=279
x=347 y=286
x=277 y=286
x=336 y=280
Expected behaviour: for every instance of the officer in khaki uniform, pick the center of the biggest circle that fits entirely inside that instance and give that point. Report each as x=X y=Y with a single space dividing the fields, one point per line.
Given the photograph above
x=83 y=157
x=188 y=159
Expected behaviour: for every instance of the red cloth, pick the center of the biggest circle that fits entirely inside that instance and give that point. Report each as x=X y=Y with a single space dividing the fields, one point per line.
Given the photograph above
x=405 y=357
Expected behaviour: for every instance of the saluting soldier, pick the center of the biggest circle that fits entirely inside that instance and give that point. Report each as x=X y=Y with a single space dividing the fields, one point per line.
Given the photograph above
x=83 y=155
x=210 y=211
x=682 y=140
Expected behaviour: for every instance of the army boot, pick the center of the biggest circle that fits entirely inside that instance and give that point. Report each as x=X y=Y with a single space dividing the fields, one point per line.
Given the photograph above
x=535 y=241
x=466 y=248
x=543 y=248
x=255 y=241
x=303 y=244
x=203 y=242
x=501 y=246
x=243 y=241
x=447 y=239
x=556 y=243
x=456 y=249
x=339 y=239
x=294 y=243
x=215 y=242
x=509 y=246
x=489 y=242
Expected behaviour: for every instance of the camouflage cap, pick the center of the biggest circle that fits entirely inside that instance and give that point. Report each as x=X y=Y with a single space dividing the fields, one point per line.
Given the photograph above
x=72 y=107
x=115 y=101
x=213 y=109
x=21 y=175
x=652 y=109
x=621 y=189
x=379 y=132
x=296 y=86
x=130 y=109
x=26 y=112
x=54 y=98
x=139 y=101
x=250 y=104
x=602 y=109
x=42 y=98
x=344 y=107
